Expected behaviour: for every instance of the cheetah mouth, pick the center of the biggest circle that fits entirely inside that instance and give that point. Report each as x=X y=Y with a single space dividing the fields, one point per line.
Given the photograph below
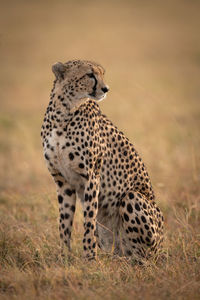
x=93 y=94
x=101 y=98
x=98 y=98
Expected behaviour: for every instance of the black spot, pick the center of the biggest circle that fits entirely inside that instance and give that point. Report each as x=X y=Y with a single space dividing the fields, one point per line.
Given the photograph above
x=46 y=156
x=91 y=214
x=87 y=231
x=143 y=219
x=88 y=224
x=60 y=184
x=81 y=166
x=141 y=238
x=67 y=216
x=129 y=208
x=137 y=207
x=67 y=231
x=123 y=204
x=137 y=220
x=147 y=239
x=60 y=199
x=71 y=156
x=59 y=133
x=126 y=217
x=73 y=208
x=158 y=209
x=131 y=195
x=135 y=229
x=123 y=195
x=68 y=192
x=130 y=229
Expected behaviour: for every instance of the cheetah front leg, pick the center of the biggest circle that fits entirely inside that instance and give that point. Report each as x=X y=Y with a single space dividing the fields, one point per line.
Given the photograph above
x=67 y=204
x=90 y=206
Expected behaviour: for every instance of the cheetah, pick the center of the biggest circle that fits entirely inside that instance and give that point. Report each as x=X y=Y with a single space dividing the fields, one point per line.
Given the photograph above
x=90 y=159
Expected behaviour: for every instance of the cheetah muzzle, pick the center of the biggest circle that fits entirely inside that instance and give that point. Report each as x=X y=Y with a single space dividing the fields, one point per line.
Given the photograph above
x=90 y=159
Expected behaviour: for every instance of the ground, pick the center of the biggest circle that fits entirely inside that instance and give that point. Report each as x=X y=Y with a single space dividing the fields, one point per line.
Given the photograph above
x=151 y=53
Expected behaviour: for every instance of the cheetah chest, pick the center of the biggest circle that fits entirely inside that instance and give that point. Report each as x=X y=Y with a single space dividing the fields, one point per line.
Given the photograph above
x=58 y=159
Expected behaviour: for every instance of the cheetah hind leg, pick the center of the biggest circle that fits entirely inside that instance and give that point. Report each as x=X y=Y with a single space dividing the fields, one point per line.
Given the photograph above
x=141 y=226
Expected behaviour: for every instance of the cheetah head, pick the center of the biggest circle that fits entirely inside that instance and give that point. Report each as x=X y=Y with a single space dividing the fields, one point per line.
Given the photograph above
x=78 y=80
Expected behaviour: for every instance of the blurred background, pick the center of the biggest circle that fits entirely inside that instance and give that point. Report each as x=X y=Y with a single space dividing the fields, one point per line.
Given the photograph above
x=151 y=53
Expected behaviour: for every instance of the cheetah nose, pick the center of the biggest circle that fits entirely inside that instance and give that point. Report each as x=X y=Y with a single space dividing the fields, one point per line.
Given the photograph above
x=105 y=89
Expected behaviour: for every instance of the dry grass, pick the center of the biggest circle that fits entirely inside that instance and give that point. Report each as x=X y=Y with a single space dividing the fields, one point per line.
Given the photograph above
x=151 y=51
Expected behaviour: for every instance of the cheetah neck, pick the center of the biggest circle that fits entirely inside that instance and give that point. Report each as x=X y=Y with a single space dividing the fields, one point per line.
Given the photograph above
x=64 y=99
x=59 y=116
x=62 y=106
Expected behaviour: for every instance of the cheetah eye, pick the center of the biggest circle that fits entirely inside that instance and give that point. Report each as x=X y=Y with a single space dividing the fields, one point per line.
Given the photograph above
x=91 y=75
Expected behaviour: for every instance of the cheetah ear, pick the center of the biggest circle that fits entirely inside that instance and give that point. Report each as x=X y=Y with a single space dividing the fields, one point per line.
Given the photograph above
x=59 y=70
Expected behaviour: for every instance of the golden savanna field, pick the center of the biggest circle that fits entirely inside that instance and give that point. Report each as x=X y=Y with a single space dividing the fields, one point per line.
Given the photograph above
x=151 y=53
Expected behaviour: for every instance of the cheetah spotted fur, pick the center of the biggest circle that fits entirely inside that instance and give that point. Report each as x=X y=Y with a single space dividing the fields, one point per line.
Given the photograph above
x=90 y=159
